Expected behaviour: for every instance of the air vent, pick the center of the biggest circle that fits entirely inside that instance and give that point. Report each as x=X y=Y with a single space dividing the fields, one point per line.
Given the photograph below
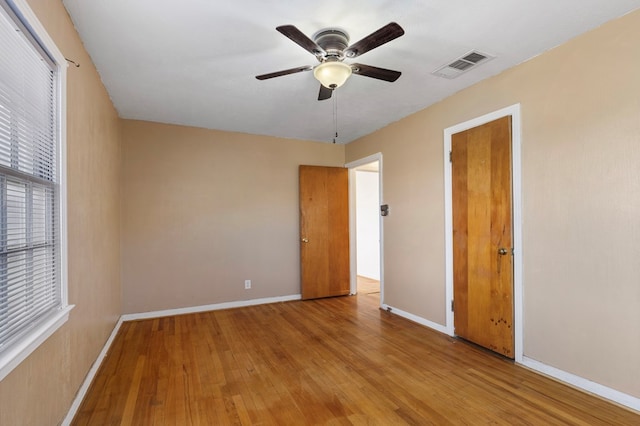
x=462 y=64
x=474 y=57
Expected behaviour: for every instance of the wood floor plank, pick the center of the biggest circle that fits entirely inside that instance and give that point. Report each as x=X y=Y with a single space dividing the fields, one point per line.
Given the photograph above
x=337 y=361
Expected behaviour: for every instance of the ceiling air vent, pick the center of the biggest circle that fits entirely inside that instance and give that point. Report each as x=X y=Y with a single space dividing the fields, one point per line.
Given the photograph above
x=462 y=64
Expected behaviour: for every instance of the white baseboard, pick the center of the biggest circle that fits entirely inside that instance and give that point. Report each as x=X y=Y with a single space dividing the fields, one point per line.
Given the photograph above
x=90 y=375
x=584 y=384
x=415 y=318
x=213 y=307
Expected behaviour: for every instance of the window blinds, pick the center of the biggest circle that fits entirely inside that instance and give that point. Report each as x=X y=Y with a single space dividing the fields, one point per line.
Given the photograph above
x=29 y=232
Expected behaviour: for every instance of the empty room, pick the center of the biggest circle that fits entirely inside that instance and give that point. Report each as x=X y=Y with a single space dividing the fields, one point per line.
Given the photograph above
x=328 y=212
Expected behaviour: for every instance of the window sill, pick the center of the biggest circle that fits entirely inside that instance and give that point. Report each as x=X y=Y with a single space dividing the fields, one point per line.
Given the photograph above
x=21 y=349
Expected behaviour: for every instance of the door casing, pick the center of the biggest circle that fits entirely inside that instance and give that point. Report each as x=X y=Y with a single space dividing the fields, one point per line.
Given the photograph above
x=514 y=112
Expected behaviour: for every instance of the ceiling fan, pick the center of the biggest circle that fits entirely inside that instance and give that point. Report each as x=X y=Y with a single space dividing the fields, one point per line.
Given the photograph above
x=331 y=46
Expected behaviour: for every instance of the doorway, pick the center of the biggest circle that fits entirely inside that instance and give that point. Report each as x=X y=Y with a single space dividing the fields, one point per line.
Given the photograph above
x=514 y=113
x=365 y=196
x=367 y=229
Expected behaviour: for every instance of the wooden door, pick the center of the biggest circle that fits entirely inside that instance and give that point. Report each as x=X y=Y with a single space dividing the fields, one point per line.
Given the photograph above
x=482 y=236
x=324 y=231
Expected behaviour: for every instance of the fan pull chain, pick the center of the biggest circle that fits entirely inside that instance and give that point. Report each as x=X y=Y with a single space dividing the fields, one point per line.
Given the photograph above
x=335 y=115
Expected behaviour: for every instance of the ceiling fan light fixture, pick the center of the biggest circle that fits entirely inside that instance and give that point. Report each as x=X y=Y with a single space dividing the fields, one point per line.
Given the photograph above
x=332 y=74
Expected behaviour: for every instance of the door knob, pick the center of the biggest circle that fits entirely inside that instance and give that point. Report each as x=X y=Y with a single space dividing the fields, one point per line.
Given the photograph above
x=502 y=251
x=305 y=240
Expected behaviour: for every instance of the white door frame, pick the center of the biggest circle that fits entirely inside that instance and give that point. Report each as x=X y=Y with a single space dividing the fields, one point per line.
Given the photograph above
x=516 y=179
x=353 y=255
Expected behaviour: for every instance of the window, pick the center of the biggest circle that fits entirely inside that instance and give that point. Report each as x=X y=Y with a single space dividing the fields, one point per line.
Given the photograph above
x=33 y=301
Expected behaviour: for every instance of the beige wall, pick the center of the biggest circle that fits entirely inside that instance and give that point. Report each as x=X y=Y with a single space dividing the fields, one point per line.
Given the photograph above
x=203 y=210
x=40 y=390
x=581 y=195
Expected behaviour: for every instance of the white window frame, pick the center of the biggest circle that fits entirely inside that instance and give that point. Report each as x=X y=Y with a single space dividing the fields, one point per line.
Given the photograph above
x=12 y=356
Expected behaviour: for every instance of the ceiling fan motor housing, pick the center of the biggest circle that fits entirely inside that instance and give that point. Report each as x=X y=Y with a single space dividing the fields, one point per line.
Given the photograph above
x=334 y=41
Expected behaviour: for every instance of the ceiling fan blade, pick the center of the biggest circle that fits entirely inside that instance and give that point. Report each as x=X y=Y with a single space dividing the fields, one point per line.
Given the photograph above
x=284 y=72
x=301 y=39
x=324 y=93
x=384 y=35
x=375 y=72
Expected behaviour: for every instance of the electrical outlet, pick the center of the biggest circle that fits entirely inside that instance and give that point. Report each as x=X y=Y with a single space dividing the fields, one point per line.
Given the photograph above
x=247 y=284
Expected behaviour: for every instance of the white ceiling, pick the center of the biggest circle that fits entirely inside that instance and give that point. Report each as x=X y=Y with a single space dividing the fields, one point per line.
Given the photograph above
x=193 y=62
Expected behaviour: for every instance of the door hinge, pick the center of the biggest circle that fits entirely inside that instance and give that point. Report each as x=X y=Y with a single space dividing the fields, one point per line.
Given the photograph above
x=451 y=156
x=452 y=310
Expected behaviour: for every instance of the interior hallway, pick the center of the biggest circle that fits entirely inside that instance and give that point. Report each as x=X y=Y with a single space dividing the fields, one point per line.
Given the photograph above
x=367 y=285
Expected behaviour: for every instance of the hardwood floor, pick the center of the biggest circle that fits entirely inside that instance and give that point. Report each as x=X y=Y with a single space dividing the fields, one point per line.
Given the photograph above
x=336 y=361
